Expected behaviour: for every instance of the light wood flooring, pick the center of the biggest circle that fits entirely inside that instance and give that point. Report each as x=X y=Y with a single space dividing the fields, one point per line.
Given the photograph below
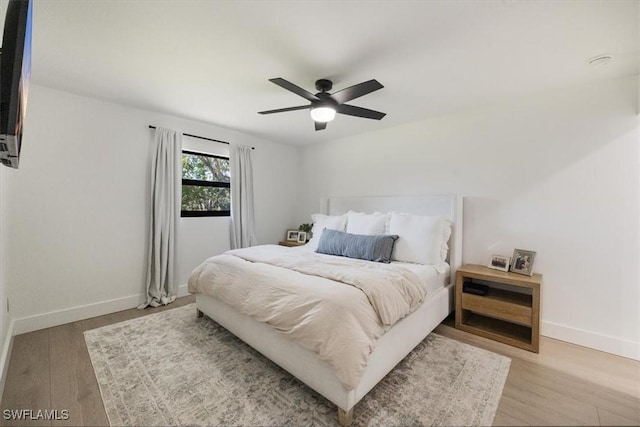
x=563 y=385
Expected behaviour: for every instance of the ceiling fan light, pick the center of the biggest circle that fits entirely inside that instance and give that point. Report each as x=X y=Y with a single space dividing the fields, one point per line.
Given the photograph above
x=323 y=114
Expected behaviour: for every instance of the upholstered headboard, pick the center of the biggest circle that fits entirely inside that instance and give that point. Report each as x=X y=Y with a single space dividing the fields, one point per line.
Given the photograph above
x=450 y=205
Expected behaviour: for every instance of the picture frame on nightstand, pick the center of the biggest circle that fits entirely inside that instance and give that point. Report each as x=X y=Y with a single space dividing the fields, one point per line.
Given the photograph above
x=292 y=235
x=499 y=262
x=523 y=262
x=302 y=237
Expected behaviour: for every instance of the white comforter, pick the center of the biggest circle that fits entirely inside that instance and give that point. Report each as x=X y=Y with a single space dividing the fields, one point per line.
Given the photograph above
x=337 y=307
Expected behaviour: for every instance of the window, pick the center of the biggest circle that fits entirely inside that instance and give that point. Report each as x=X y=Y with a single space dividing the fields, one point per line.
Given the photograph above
x=206 y=182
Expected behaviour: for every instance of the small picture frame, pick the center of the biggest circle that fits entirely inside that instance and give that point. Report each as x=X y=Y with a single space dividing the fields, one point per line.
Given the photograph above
x=499 y=262
x=292 y=235
x=302 y=237
x=523 y=262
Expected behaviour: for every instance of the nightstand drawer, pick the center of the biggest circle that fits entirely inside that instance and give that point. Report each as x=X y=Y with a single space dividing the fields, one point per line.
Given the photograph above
x=495 y=308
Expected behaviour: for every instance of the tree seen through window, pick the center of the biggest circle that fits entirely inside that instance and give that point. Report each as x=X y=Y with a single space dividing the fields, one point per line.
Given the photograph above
x=205 y=185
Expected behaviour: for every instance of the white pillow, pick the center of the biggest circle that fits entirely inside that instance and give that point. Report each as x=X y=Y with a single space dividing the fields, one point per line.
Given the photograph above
x=361 y=223
x=423 y=239
x=321 y=221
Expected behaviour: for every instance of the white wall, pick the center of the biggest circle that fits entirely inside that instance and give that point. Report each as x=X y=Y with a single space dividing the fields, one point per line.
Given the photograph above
x=76 y=210
x=6 y=327
x=556 y=173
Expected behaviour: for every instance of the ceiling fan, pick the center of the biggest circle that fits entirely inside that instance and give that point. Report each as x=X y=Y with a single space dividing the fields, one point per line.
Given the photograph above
x=325 y=105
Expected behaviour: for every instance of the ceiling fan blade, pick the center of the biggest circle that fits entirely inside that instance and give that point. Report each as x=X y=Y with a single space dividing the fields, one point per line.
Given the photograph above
x=351 y=110
x=282 y=110
x=321 y=125
x=356 y=91
x=293 y=88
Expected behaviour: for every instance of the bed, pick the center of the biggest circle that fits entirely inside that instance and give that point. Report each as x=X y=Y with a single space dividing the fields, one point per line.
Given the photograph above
x=390 y=348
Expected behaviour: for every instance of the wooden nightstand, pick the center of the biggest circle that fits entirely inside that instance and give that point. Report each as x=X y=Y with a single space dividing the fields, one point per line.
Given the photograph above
x=290 y=244
x=509 y=312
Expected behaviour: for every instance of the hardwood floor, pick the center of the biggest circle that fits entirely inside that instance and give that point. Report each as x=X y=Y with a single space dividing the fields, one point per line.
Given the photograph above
x=50 y=369
x=562 y=385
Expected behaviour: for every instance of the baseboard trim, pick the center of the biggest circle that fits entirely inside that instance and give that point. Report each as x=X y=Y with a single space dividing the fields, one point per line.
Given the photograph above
x=608 y=344
x=73 y=314
x=6 y=356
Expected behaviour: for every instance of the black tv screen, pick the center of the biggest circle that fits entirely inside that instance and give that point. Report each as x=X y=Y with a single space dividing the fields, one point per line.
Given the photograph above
x=15 y=73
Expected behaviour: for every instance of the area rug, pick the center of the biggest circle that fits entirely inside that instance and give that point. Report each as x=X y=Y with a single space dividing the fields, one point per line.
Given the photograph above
x=171 y=368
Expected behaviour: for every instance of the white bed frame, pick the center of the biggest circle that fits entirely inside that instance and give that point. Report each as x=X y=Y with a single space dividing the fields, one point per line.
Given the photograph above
x=390 y=349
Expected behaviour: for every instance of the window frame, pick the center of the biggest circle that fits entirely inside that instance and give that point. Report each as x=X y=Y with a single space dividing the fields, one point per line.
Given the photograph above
x=198 y=183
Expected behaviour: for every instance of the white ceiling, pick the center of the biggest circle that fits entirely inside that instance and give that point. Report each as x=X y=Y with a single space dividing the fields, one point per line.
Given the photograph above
x=211 y=60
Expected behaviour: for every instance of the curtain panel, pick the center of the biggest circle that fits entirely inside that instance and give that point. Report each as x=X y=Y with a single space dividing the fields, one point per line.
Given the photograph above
x=166 y=174
x=242 y=213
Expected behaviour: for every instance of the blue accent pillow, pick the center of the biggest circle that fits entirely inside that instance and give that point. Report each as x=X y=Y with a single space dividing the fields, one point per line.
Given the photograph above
x=376 y=248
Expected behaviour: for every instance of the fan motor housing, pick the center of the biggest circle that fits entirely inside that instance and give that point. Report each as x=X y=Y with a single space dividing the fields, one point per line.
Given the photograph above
x=324 y=101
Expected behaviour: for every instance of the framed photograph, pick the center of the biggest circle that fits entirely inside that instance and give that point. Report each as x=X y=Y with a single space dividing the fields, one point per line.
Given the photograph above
x=523 y=262
x=499 y=262
x=292 y=235
x=302 y=237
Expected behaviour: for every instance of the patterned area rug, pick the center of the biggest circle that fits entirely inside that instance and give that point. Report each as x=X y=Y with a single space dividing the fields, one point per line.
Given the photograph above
x=170 y=368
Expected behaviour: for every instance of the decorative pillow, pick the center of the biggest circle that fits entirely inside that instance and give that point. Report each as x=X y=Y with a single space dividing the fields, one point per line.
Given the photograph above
x=321 y=221
x=360 y=246
x=423 y=239
x=361 y=223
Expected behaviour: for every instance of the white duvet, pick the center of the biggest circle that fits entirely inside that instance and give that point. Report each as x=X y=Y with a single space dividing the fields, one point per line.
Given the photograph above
x=336 y=307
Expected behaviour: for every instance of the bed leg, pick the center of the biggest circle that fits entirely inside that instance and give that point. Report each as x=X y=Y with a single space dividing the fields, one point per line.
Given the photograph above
x=345 y=418
x=199 y=313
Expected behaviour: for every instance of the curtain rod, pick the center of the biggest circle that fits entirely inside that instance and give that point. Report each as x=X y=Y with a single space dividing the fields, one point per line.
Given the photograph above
x=201 y=137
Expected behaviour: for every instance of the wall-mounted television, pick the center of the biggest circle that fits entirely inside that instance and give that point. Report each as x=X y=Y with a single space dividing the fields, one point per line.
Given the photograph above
x=15 y=73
